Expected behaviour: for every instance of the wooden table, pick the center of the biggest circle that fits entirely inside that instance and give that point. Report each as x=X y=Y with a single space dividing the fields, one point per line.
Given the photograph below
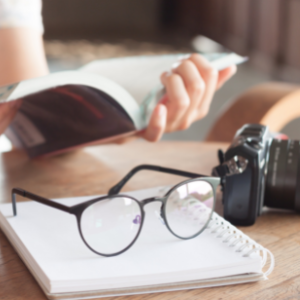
x=93 y=170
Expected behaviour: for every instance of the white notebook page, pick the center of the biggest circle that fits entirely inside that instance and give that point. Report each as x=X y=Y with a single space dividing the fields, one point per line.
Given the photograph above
x=50 y=240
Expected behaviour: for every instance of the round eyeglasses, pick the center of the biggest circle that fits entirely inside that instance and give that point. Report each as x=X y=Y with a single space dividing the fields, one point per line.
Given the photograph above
x=110 y=225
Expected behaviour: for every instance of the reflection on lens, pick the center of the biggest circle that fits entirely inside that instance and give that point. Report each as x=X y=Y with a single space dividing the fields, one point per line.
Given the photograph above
x=189 y=208
x=110 y=225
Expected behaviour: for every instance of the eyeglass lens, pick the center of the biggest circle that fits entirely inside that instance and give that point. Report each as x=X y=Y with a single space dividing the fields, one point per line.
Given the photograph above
x=189 y=208
x=109 y=226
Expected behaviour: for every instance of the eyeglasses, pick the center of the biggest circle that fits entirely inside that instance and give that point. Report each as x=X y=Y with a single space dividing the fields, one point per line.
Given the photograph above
x=110 y=225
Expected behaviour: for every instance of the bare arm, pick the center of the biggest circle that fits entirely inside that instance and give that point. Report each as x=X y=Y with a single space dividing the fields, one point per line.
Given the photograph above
x=22 y=55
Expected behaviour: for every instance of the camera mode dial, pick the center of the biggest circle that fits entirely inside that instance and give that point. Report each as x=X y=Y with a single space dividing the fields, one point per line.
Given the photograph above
x=254 y=143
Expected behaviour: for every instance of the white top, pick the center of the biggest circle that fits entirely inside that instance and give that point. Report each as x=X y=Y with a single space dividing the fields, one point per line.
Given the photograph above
x=21 y=13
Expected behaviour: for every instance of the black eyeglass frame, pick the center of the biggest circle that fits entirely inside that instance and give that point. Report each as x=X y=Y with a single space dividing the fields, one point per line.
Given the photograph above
x=78 y=209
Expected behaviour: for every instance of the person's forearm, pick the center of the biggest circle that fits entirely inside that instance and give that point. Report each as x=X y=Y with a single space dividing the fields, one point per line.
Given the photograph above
x=22 y=55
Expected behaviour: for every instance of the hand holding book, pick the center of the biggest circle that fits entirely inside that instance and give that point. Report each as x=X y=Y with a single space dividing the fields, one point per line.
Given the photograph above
x=69 y=109
x=190 y=88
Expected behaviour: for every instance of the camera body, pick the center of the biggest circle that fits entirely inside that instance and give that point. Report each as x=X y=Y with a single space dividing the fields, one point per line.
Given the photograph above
x=243 y=169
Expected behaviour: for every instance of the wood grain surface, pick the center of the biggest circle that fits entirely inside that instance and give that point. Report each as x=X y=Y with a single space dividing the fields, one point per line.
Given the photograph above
x=93 y=170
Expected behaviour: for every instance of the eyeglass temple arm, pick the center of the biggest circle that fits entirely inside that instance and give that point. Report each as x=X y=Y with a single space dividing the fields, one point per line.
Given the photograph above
x=25 y=194
x=116 y=188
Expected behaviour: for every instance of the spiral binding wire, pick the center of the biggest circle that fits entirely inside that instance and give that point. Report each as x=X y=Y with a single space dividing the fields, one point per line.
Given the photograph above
x=234 y=237
x=237 y=238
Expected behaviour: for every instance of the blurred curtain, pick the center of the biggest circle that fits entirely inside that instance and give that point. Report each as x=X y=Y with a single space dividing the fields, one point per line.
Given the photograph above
x=266 y=30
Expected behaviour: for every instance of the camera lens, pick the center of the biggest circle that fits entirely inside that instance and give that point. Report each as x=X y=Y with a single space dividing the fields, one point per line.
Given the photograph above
x=283 y=167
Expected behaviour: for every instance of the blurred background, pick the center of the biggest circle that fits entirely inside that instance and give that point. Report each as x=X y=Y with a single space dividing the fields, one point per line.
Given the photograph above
x=77 y=32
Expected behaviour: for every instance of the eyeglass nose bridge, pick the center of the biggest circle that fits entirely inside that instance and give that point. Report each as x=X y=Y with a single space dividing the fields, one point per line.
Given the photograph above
x=160 y=215
x=154 y=199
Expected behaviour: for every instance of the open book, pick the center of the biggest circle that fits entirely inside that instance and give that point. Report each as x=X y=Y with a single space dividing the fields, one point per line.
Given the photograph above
x=100 y=102
x=48 y=241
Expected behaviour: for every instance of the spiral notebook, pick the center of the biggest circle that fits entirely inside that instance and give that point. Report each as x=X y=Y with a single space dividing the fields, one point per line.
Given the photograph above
x=48 y=242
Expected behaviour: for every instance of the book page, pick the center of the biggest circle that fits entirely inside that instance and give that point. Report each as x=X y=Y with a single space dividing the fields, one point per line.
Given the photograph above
x=139 y=75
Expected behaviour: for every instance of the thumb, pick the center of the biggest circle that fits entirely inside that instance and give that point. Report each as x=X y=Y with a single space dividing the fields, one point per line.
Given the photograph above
x=157 y=124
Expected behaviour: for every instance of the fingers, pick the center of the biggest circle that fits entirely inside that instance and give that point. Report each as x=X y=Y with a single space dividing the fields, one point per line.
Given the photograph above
x=210 y=77
x=195 y=87
x=155 y=128
x=157 y=124
x=190 y=88
x=177 y=101
x=225 y=74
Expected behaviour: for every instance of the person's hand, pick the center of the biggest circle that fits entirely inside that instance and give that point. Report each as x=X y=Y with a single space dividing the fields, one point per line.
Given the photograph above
x=190 y=89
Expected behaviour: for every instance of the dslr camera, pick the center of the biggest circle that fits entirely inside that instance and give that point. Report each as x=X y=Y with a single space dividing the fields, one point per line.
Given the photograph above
x=258 y=170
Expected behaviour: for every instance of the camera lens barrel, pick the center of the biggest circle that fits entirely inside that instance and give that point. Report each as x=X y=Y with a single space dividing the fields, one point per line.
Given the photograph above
x=283 y=168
